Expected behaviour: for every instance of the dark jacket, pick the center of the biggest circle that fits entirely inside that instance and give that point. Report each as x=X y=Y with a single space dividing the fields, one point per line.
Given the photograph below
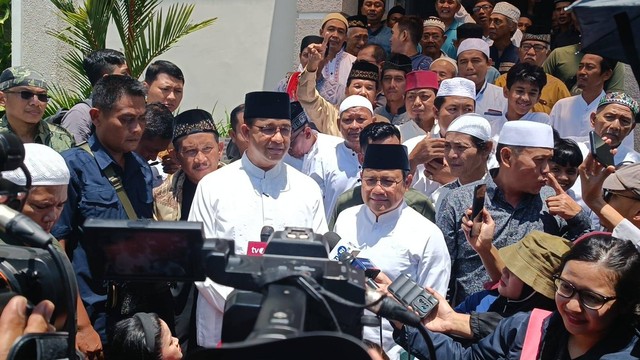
x=506 y=342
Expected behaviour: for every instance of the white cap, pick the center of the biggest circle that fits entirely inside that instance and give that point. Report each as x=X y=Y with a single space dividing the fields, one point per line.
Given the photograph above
x=445 y=59
x=46 y=166
x=457 y=86
x=433 y=21
x=526 y=133
x=504 y=8
x=474 y=44
x=471 y=124
x=355 y=101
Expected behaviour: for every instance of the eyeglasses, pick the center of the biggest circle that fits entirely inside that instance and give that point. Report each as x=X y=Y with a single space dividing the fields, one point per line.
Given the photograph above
x=588 y=299
x=476 y=9
x=272 y=130
x=191 y=153
x=385 y=183
x=536 y=48
x=28 y=95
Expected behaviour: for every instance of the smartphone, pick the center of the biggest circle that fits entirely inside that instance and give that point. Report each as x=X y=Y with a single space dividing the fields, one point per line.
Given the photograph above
x=600 y=149
x=409 y=293
x=476 y=209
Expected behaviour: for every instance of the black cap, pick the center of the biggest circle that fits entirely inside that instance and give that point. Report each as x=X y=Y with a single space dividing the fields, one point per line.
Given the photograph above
x=396 y=10
x=191 y=122
x=364 y=70
x=398 y=62
x=298 y=117
x=469 y=31
x=267 y=105
x=357 y=21
x=386 y=157
x=310 y=39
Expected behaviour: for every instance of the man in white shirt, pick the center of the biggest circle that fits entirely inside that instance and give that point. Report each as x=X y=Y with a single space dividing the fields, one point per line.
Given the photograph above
x=421 y=89
x=571 y=116
x=455 y=97
x=384 y=229
x=336 y=168
x=236 y=201
x=474 y=60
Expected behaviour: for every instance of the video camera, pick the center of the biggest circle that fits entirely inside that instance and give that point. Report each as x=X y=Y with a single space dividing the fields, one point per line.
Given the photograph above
x=31 y=266
x=292 y=298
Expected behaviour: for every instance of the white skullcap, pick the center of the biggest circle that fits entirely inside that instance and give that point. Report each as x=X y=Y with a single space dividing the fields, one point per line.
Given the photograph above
x=457 y=86
x=355 y=101
x=504 y=8
x=46 y=166
x=526 y=133
x=471 y=124
x=474 y=44
x=445 y=59
x=433 y=21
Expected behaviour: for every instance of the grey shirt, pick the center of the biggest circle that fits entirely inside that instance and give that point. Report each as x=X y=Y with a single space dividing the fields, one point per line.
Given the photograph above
x=512 y=224
x=78 y=121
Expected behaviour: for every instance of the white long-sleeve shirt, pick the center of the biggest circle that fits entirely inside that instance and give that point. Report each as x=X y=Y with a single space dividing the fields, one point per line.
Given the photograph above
x=235 y=202
x=398 y=242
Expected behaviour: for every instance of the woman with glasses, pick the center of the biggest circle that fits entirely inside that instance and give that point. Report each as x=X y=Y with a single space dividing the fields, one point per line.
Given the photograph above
x=598 y=300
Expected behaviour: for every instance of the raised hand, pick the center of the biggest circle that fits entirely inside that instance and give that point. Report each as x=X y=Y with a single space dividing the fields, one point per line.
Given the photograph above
x=483 y=241
x=316 y=54
x=561 y=204
x=426 y=151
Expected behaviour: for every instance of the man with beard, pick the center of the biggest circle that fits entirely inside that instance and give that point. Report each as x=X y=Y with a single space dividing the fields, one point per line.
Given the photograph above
x=421 y=89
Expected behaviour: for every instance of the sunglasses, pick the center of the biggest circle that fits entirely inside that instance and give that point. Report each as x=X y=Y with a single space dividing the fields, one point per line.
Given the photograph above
x=28 y=95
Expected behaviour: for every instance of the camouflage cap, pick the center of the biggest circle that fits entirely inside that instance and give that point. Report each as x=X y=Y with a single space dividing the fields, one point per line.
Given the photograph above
x=21 y=76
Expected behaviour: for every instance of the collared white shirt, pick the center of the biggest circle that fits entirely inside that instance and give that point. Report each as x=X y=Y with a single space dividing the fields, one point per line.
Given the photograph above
x=335 y=169
x=490 y=100
x=307 y=161
x=420 y=181
x=497 y=122
x=398 y=242
x=235 y=202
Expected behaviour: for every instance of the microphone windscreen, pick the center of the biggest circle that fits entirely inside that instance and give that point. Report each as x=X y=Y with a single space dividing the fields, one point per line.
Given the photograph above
x=332 y=239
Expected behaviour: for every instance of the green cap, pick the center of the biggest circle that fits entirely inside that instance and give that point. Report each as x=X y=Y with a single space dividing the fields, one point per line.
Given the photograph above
x=21 y=76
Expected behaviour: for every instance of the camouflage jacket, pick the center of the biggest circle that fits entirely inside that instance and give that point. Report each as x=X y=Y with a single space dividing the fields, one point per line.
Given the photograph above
x=51 y=135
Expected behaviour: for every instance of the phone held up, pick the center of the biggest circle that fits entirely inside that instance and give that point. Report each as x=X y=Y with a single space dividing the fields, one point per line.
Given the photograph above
x=476 y=209
x=600 y=149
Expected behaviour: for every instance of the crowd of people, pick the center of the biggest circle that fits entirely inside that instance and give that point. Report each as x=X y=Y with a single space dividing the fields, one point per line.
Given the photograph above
x=381 y=135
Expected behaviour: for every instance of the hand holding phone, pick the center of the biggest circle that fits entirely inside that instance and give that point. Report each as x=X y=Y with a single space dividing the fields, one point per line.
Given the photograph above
x=476 y=210
x=600 y=150
x=409 y=293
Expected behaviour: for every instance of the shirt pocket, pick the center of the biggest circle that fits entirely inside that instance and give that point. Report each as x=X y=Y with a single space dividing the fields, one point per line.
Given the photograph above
x=100 y=202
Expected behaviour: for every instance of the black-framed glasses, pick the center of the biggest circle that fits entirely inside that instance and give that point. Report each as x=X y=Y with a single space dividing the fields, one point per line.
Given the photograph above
x=272 y=130
x=476 y=9
x=536 y=48
x=28 y=95
x=589 y=299
x=385 y=183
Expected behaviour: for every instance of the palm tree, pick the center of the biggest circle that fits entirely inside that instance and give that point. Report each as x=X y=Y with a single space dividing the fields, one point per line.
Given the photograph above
x=144 y=30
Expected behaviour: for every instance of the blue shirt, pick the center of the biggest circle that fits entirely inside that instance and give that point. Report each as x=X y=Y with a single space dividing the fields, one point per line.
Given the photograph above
x=381 y=37
x=452 y=35
x=505 y=61
x=91 y=195
x=420 y=62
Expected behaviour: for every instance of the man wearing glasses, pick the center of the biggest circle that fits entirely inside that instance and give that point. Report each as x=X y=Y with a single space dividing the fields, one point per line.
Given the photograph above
x=390 y=233
x=534 y=50
x=23 y=93
x=258 y=190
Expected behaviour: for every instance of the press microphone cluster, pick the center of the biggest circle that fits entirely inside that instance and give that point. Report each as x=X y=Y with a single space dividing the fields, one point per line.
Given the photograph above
x=390 y=309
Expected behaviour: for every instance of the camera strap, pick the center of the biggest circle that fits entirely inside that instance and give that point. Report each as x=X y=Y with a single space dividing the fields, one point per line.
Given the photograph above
x=116 y=182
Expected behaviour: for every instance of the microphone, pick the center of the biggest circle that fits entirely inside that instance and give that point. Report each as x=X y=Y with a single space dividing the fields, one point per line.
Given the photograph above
x=390 y=309
x=332 y=239
x=22 y=227
x=266 y=233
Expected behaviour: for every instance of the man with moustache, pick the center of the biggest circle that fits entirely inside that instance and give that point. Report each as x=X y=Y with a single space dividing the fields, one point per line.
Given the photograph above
x=421 y=89
x=516 y=199
x=379 y=33
x=432 y=38
x=267 y=192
